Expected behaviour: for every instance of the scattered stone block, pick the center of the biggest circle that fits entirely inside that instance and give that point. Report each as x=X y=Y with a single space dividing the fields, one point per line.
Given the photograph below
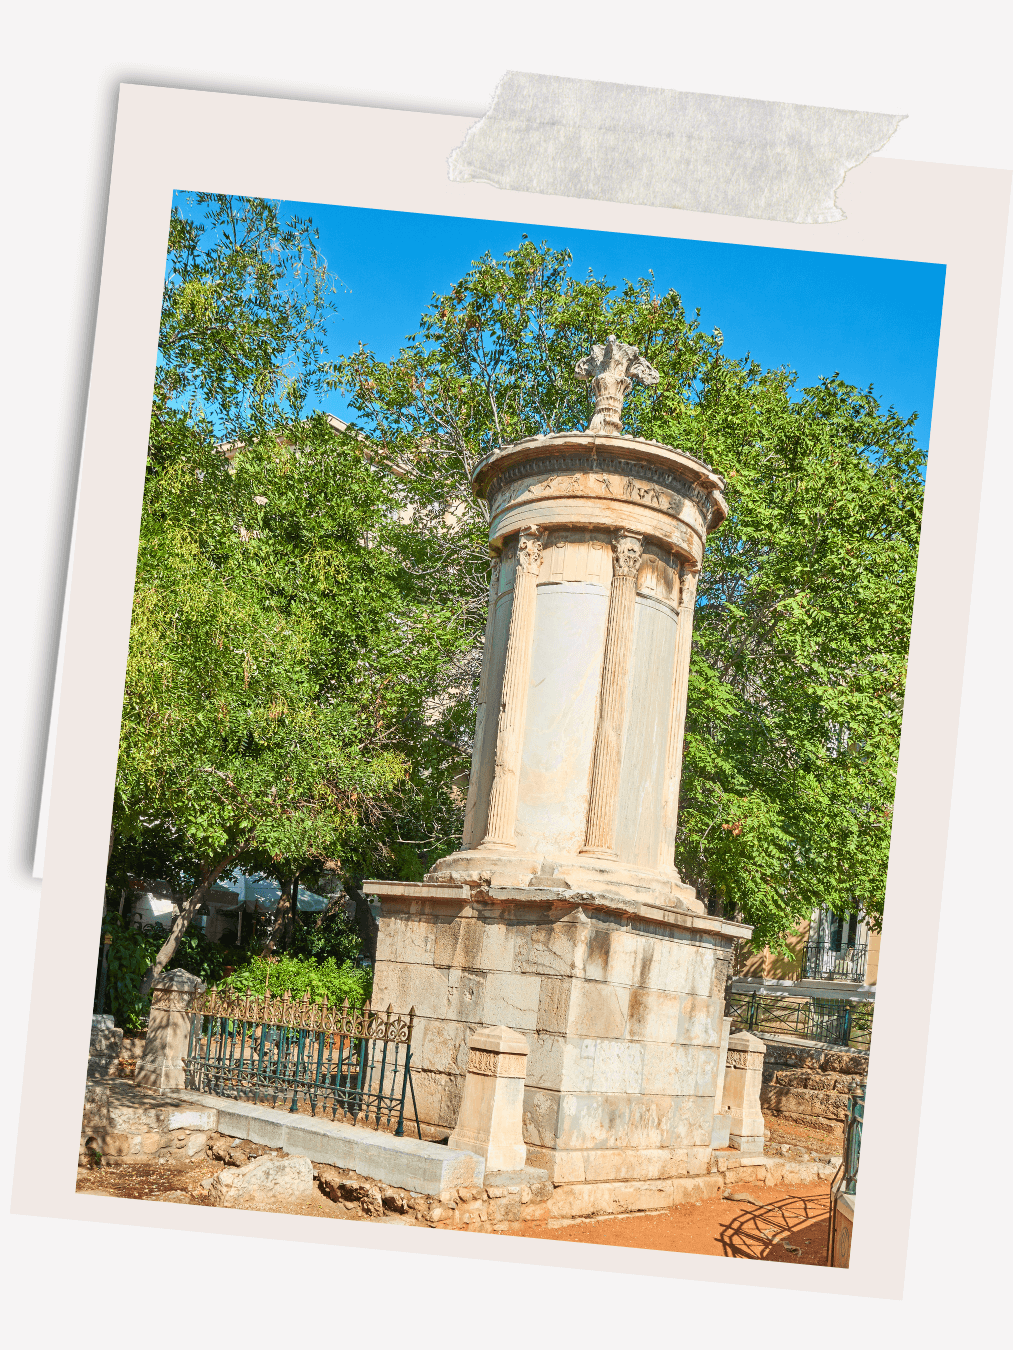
x=104 y=1048
x=263 y=1182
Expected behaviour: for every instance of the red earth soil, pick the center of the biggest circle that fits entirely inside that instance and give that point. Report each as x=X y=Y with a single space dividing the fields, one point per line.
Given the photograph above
x=796 y=1216
x=785 y=1224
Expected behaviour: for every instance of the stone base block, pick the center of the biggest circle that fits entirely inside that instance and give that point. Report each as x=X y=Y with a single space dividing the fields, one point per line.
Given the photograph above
x=568 y=1166
x=629 y=1197
x=720 y=1130
x=524 y=1176
x=746 y=1143
x=413 y=1164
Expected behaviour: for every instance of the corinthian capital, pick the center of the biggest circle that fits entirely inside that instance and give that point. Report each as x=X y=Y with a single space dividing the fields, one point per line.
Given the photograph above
x=627 y=551
x=529 y=549
x=612 y=370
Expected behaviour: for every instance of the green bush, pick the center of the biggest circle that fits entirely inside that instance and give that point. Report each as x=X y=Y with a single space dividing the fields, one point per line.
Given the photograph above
x=299 y=973
x=331 y=936
x=131 y=952
x=203 y=958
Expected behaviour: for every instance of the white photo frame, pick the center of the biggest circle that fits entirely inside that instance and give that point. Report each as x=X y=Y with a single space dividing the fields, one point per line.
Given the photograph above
x=170 y=139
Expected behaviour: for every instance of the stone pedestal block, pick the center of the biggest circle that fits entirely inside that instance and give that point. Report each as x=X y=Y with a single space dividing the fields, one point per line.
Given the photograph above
x=490 y=1122
x=620 y=1004
x=161 y=1065
x=743 y=1083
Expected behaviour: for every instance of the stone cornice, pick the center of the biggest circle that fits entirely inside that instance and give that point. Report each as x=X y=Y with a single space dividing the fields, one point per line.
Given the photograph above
x=625 y=447
x=559 y=901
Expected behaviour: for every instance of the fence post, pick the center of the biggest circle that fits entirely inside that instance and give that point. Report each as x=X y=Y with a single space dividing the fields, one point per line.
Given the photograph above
x=490 y=1119
x=743 y=1081
x=161 y=1065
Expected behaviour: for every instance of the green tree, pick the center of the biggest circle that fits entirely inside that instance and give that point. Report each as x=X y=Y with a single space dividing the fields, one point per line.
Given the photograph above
x=285 y=644
x=805 y=599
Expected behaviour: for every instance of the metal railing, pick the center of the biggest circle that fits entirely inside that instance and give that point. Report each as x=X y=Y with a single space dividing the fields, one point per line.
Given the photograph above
x=822 y=962
x=849 y=1166
x=833 y=1021
x=346 y=1062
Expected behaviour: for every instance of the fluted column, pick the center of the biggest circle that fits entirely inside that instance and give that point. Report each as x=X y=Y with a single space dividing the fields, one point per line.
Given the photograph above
x=677 y=726
x=483 y=693
x=599 y=837
x=513 y=700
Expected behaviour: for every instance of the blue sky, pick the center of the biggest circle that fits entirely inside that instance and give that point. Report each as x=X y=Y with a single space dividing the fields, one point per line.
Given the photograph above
x=875 y=321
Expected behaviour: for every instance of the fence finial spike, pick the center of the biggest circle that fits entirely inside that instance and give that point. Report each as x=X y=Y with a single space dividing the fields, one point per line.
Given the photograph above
x=344 y=1006
x=306 y=996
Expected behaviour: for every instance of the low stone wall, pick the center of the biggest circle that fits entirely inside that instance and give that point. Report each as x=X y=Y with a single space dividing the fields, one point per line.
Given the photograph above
x=124 y=1121
x=810 y=1084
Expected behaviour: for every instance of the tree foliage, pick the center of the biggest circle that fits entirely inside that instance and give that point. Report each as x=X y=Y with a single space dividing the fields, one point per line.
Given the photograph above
x=805 y=599
x=285 y=642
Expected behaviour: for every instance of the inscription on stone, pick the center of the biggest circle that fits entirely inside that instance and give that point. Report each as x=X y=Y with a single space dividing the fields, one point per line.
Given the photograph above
x=497 y=1066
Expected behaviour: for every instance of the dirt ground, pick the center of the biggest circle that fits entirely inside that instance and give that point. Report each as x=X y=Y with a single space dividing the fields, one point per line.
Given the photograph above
x=784 y=1224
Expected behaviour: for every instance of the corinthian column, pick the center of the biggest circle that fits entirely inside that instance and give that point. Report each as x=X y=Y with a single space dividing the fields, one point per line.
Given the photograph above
x=483 y=694
x=677 y=726
x=599 y=837
x=513 y=701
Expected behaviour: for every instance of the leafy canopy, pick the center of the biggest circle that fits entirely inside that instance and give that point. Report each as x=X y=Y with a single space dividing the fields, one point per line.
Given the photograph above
x=285 y=642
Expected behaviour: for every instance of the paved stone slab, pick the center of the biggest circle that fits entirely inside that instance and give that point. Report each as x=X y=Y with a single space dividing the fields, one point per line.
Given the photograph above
x=412 y=1164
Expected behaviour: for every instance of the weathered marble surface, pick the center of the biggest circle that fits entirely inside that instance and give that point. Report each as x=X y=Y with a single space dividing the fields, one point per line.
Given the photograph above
x=622 y=1016
x=596 y=542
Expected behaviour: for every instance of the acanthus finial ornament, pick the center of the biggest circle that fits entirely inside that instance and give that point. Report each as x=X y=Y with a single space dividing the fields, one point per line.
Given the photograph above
x=529 y=549
x=612 y=370
x=627 y=551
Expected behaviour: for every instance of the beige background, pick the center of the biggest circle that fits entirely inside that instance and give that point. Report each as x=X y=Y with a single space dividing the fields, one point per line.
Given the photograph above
x=324 y=153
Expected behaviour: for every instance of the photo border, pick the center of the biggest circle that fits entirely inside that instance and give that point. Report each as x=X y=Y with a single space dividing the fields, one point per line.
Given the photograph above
x=170 y=139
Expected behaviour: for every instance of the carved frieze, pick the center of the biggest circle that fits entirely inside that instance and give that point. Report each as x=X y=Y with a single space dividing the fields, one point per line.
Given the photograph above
x=578 y=475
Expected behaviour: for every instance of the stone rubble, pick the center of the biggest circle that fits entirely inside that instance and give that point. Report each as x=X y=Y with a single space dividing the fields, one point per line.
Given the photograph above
x=264 y=1181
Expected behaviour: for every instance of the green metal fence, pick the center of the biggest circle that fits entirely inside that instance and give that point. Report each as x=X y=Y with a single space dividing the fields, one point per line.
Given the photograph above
x=833 y=1021
x=349 y=1063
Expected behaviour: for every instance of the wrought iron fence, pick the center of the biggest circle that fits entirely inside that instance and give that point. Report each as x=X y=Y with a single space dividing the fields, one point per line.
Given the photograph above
x=849 y=1163
x=831 y=1020
x=346 y=1062
x=823 y=962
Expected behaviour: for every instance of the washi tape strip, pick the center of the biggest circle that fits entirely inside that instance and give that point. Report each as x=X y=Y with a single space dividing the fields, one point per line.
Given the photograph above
x=659 y=147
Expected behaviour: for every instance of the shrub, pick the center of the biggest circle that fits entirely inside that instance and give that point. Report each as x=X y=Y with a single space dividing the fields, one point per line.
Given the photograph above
x=333 y=935
x=130 y=954
x=299 y=974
